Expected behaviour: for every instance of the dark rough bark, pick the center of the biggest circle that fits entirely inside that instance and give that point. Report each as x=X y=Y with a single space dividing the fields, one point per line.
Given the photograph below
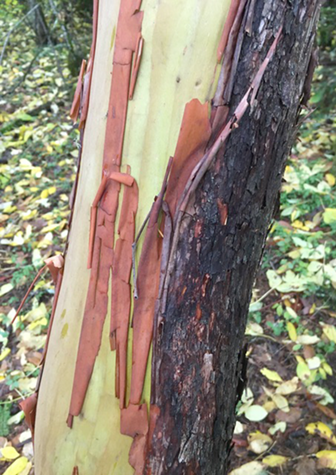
x=200 y=335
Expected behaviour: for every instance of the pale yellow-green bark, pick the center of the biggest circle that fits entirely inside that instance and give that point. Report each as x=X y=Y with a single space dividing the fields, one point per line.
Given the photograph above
x=179 y=63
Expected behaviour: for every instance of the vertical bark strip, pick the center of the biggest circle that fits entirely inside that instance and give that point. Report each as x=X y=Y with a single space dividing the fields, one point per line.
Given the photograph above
x=201 y=331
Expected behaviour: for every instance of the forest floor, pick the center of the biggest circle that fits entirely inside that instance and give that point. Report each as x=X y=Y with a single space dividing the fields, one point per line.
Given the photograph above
x=286 y=420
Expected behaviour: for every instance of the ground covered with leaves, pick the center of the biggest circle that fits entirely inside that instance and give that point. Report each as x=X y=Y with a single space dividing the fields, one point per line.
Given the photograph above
x=286 y=418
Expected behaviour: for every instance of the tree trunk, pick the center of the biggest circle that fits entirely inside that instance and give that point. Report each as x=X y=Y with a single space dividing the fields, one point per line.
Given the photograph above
x=226 y=101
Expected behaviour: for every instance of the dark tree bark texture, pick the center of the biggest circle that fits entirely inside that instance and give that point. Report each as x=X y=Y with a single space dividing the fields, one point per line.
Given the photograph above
x=200 y=335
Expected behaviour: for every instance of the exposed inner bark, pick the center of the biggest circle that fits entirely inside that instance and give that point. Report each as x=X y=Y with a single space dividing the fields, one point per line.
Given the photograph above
x=199 y=336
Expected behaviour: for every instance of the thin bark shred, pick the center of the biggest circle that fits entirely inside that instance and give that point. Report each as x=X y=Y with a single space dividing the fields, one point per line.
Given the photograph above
x=88 y=76
x=74 y=111
x=200 y=139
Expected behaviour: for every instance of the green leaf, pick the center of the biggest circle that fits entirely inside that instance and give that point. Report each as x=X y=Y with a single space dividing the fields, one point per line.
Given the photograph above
x=329 y=215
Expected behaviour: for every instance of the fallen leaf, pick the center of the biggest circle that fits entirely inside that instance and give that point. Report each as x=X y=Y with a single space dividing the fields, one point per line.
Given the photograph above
x=288 y=387
x=9 y=453
x=254 y=329
x=331 y=180
x=258 y=442
x=322 y=430
x=327 y=459
x=329 y=331
x=16 y=467
x=239 y=428
x=4 y=353
x=308 y=339
x=306 y=466
x=274 y=460
x=4 y=289
x=281 y=402
x=324 y=396
x=304 y=373
x=255 y=413
x=326 y=411
x=251 y=468
x=291 y=331
x=314 y=363
x=290 y=417
x=278 y=427
x=329 y=215
x=271 y=375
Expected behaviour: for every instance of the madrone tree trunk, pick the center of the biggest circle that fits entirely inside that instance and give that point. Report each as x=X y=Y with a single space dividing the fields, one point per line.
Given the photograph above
x=150 y=384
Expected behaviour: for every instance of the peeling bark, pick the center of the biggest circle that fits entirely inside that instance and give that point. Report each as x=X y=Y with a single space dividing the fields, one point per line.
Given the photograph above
x=220 y=243
x=204 y=233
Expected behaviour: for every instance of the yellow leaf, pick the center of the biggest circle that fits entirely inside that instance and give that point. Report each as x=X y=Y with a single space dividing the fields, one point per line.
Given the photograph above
x=4 y=353
x=323 y=373
x=330 y=332
x=17 y=467
x=269 y=406
x=10 y=209
x=327 y=458
x=281 y=402
x=38 y=323
x=9 y=453
x=299 y=225
x=271 y=375
x=29 y=214
x=51 y=190
x=44 y=194
x=329 y=215
x=288 y=387
x=291 y=331
x=274 y=460
x=322 y=430
x=303 y=372
x=26 y=471
x=258 y=442
x=250 y=468
x=4 y=289
x=327 y=368
x=294 y=254
x=331 y=180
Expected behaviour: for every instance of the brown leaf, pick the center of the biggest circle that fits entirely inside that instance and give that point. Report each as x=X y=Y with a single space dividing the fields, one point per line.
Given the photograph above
x=290 y=417
x=306 y=466
x=308 y=352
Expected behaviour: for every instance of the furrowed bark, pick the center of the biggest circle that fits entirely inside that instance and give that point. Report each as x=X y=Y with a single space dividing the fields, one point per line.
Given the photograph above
x=220 y=242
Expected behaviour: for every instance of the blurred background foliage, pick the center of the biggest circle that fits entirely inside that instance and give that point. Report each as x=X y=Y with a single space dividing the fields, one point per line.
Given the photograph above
x=291 y=333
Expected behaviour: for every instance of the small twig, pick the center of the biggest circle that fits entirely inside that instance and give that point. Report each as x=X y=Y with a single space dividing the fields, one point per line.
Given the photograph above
x=14 y=27
x=28 y=292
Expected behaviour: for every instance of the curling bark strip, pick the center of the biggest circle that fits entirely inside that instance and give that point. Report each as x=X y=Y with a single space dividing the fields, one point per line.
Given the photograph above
x=87 y=78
